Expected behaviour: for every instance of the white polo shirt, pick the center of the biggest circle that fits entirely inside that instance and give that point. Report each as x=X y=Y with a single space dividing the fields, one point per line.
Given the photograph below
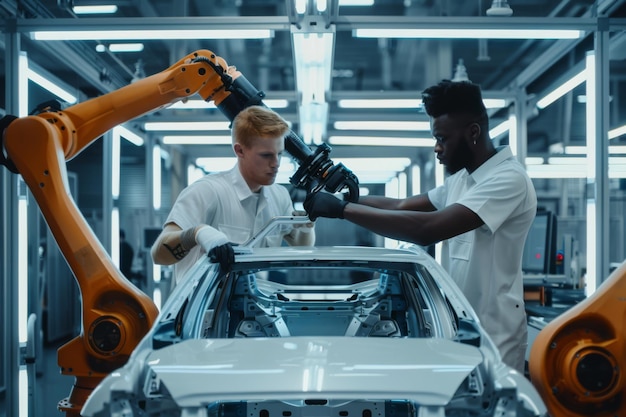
x=486 y=262
x=224 y=201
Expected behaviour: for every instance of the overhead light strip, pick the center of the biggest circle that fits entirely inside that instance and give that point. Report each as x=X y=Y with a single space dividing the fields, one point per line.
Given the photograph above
x=201 y=104
x=486 y=33
x=95 y=9
x=562 y=89
x=51 y=87
x=490 y=103
x=196 y=140
x=187 y=126
x=382 y=125
x=617 y=132
x=116 y=35
x=381 y=141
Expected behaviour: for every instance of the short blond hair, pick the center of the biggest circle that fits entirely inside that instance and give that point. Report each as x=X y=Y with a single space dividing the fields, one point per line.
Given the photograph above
x=256 y=122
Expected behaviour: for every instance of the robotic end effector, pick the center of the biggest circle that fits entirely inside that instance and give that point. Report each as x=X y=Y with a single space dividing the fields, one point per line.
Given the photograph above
x=316 y=170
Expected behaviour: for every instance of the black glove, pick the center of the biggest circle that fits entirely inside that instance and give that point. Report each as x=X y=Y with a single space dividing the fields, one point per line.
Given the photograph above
x=322 y=204
x=224 y=255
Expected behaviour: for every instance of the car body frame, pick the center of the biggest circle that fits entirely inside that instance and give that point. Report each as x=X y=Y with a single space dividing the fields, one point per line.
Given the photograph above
x=308 y=331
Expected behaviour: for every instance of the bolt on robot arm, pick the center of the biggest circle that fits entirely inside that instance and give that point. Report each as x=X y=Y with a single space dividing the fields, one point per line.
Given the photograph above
x=115 y=314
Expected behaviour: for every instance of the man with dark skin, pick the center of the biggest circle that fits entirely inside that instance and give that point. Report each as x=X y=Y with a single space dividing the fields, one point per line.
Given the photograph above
x=482 y=214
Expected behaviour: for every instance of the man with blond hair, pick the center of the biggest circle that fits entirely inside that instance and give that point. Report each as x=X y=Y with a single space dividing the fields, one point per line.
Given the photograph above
x=229 y=207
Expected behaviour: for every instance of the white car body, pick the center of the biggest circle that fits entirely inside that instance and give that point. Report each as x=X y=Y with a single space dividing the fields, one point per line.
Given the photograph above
x=399 y=340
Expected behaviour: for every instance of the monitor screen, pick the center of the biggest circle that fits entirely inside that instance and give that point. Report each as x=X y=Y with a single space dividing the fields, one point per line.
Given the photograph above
x=540 y=247
x=150 y=235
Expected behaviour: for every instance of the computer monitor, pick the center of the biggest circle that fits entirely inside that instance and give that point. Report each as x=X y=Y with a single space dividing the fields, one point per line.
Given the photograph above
x=540 y=248
x=150 y=235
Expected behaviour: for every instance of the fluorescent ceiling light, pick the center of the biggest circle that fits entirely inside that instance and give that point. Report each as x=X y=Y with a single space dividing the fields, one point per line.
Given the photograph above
x=201 y=104
x=197 y=140
x=191 y=126
x=490 y=103
x=356 y=2
x=313 y=55
x=500 y=129
x=562 y=89
x=111 y=35
x=618 y=131
x=381 y=141
x=469 y=33
x=126 y=47
x=382 y=125
x=379 y=103
x=534 y=160
x=129 y=135
x=582 y=150
x=579 y=161
x=216 y=164
x=374 y=164
x=300 y=6
x=95 y=9
x=571 y=171
x=51 y=87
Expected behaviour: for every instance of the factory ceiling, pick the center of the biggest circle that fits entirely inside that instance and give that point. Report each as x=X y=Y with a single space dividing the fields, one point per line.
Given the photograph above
x=361 y=67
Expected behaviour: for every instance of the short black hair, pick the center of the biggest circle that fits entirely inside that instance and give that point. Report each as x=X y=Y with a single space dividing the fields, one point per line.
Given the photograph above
x=454 y=97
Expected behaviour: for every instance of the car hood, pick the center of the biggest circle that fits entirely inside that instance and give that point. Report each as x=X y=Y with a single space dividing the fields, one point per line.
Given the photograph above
x=196 y=372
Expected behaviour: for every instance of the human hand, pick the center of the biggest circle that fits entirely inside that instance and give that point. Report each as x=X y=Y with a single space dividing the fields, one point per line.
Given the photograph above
x=321 y=204
x=303 y=227
x=223 y=255
x=208 y=237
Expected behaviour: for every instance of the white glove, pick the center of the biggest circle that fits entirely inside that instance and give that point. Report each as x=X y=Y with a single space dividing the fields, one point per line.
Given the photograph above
x=208 y=238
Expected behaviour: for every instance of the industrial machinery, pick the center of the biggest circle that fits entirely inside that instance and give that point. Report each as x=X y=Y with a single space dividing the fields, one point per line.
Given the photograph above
x=577 y=360
x=115 y=314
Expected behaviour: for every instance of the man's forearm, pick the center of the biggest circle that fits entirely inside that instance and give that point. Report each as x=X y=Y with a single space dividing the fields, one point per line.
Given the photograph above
x=173 y=245
x=379 y=201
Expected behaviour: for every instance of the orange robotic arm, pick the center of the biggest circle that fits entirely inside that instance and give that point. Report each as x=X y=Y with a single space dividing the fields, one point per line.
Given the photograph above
x=577 y=361
x=115 y=314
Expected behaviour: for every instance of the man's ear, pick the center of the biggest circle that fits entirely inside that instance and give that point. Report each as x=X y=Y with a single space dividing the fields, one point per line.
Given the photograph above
x=474 y=131
x=238 y=149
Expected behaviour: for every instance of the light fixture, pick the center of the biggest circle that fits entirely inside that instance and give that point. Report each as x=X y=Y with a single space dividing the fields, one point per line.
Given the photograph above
x=378 y=103
x=499 y=8
x=582 y=150
x=186 y=126
x=126 y=47
x=356 y=2
x=51 y=87
x=562 y=89
x=469 y=33
x=500 y=129
x=115 y=162
x=201 y=104
x=313 y=58
x=382 y=125
x=617 y=132
x=460 y=73
x=217 y=164
x=562 y=170
x=95 y=9
x=156 y=176
x=129 y=35
x=374 y=164
x=196 y=140
x=129 y=135
x=381 y=141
